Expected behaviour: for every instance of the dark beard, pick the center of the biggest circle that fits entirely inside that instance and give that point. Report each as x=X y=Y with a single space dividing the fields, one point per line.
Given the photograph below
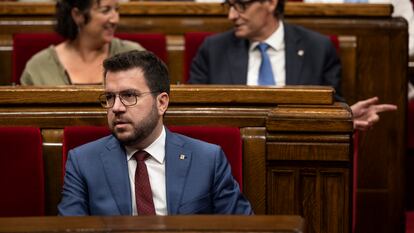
x=143 y=130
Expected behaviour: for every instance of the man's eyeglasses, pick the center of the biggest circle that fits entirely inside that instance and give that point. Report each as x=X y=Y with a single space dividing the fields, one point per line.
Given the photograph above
x=127 y=98
x=239 y=6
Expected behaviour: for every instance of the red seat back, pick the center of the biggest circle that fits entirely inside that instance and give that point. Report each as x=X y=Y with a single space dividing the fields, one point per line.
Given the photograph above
x=154 y=42
x=25 y=45
x=227 y=137
x=22 y=176
x=410 y=125
x=192 y=41
x=74 y=136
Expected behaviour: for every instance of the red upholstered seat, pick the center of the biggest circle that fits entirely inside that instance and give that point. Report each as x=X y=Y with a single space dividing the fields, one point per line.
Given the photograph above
x=409 y=226
x=227 y=137
x=410 y=130
x=74 y=136
x=22 y=177
x=154 y=42
x=25 y=45
x=192 y=40
x=410 y=168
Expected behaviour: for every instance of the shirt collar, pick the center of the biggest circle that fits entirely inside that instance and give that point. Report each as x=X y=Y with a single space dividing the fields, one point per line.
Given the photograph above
x=275 y=40
x=156 y=149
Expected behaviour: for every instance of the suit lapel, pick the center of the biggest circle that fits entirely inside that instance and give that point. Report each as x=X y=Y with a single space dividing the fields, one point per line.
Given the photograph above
x=238 y=57
x=294 y=55
x=177 y=163
x=116 y=170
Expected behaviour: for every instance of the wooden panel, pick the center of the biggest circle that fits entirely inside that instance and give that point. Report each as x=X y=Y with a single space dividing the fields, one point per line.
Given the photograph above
x=306 y=151
x=319 y=118
x=52 y=155
x=281 y=197
x=216 y=94
x=309 y=193
x=335 y=205
x=206 y=224
x=254 y=167
x=189 y=8
x=319 y=192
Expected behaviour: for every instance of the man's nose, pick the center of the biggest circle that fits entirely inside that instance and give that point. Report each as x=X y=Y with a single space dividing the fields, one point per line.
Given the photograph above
x=233 y=14
x=118 y=105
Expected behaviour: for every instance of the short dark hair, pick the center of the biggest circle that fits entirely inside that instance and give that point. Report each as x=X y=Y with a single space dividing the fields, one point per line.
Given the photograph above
x=280 y=9
x=155 y=71
x=65 y=24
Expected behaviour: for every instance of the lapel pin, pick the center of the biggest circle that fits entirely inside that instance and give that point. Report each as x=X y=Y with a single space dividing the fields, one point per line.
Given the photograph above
x=301 y=52
x=182 y=157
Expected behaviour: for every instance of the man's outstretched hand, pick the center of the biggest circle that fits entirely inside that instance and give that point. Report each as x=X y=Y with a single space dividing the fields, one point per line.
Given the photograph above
x=365 y=112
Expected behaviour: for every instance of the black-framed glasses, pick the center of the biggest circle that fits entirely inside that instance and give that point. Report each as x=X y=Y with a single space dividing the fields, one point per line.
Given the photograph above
x=239 y=6
x=127 y=98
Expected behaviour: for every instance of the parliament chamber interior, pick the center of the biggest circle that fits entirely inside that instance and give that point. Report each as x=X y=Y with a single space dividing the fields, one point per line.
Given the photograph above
x=293 y=149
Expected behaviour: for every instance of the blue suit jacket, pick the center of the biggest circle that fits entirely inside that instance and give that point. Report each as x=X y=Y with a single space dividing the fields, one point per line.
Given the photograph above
x=97 y=182
x=223 y=59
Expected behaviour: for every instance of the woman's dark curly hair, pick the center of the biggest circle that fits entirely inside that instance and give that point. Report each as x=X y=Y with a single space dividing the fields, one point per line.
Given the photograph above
x=65 y=24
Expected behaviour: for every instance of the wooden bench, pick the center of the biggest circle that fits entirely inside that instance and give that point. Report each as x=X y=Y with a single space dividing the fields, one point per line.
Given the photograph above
x=297 y=156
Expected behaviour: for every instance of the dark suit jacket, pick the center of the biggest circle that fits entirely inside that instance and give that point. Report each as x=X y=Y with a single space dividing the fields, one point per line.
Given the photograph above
x=223 y=59
x=97 y=181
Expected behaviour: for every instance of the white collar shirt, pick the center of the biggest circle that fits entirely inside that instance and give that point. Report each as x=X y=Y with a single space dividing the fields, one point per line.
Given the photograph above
x=276 y=52
x=156 y=173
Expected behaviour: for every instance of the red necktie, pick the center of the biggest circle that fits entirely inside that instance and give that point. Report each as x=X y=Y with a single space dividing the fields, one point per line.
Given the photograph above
x=143 y=193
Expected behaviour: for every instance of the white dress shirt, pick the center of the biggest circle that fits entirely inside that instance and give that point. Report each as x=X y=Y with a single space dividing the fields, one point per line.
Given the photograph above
x=276 y=52
x=156 y=173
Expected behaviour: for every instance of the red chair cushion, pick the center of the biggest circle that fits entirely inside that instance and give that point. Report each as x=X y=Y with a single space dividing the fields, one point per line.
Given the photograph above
x=227 y=137
x=154 y=42
x=410 y=130
x=74 y=136
x=409 y=222
x=192 y=40
x=25 y=45
x=22 y=176
x=335 y=42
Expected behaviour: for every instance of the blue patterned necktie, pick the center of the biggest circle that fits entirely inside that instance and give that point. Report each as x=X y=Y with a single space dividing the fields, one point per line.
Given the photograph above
x=265 y=71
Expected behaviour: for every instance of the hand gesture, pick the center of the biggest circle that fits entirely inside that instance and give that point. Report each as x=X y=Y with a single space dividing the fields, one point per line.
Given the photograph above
x=365 y=112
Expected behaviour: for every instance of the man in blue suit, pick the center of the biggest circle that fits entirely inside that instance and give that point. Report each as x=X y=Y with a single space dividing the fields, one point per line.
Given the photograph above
x=298 y=56
x=186 y=176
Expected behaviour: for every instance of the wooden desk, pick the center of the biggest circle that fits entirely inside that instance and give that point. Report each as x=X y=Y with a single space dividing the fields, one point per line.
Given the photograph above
x=205 y=224
x=373 y=52
x=297 y=156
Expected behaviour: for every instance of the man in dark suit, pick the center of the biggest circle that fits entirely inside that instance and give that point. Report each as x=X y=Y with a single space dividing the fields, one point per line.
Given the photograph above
x=310 y=59
x=298 y=56
x=175 y=174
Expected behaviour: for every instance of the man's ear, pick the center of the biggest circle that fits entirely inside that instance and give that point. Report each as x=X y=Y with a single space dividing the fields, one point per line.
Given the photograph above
x=77 y=16
x=273 y=5
x=163 y=100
